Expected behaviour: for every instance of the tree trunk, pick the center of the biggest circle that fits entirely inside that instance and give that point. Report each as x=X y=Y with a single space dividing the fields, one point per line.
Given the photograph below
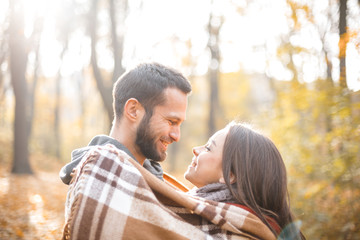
x=104 y=88
x=57 y=136
x=36 y=36
x=57 y=108
x=3 y=55
x=343 y=40
x=213 y=101
x=171 y=158
x=3 y=88
x=213 y=45
x=18 y=62
x=117 y=41
x=105 y=91
x=81 y=100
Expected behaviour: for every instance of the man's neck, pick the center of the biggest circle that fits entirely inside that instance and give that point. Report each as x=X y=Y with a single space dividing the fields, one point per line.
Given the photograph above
x=128 y=140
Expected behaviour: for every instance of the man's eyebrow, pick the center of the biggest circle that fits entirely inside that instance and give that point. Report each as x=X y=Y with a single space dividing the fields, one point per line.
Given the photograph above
x=174 y=118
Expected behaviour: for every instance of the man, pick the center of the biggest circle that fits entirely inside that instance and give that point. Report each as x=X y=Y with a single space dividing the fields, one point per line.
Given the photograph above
x=149 y=105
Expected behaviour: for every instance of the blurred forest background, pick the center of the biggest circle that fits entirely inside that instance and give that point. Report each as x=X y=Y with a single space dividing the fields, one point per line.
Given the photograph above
x=289 y=67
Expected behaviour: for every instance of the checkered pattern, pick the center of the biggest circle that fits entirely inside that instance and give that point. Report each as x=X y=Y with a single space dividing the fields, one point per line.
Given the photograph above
x=112 y=197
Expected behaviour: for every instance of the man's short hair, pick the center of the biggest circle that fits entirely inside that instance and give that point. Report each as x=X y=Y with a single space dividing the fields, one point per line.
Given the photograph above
x=146 y=83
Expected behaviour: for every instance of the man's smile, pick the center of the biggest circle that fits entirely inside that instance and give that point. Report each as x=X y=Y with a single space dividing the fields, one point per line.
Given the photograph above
x=164 y=144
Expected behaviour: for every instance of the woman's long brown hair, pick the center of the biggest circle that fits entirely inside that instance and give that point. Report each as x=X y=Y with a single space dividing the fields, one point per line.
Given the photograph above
x=260 y=177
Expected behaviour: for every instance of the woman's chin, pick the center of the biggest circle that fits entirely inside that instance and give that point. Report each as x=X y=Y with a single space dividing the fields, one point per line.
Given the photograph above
x=187 y=175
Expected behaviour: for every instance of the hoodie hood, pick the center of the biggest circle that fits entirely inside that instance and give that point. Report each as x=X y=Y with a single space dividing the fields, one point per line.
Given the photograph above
x=76 y=156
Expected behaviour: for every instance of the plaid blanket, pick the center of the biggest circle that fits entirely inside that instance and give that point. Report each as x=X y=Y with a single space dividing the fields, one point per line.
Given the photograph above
x=111 y=196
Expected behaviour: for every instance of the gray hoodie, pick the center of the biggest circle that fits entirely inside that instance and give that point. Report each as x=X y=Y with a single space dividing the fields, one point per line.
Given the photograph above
x=78 y=154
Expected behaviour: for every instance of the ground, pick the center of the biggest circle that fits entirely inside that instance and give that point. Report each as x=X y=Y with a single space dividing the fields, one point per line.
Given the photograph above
x=31 y=206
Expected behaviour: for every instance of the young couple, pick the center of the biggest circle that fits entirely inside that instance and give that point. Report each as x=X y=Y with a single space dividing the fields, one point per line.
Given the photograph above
x=238 y=165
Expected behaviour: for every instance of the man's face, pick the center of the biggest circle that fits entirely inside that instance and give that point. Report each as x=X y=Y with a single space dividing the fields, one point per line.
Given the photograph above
x=155 y=133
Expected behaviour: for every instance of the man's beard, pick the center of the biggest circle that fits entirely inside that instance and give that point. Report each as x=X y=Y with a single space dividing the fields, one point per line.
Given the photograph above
x=145 y=140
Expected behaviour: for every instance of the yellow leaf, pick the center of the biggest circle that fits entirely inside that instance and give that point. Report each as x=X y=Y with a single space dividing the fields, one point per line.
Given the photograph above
x=19 y=233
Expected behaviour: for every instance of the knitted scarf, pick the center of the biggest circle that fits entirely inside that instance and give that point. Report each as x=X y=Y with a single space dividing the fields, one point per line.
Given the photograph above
x=217 y=192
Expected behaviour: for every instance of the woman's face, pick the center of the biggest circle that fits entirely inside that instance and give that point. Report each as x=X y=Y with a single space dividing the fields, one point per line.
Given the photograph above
x=206 y=165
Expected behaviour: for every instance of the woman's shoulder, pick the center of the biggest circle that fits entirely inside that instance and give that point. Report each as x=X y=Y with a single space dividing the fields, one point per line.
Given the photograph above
x=271 y=220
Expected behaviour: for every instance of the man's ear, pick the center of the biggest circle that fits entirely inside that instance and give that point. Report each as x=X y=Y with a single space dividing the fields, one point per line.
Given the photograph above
x=133 y=109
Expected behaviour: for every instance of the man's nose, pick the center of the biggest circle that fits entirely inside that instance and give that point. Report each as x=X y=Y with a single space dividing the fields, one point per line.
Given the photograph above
x=175 y=133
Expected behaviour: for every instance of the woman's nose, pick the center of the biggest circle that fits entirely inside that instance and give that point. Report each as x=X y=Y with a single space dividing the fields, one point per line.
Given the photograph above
x=196 y=150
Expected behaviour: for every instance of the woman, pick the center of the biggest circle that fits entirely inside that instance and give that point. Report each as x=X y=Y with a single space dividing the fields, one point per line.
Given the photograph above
x=240 y=166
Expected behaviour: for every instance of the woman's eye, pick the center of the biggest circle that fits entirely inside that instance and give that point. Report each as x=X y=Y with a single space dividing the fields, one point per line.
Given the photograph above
x=207 y=148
